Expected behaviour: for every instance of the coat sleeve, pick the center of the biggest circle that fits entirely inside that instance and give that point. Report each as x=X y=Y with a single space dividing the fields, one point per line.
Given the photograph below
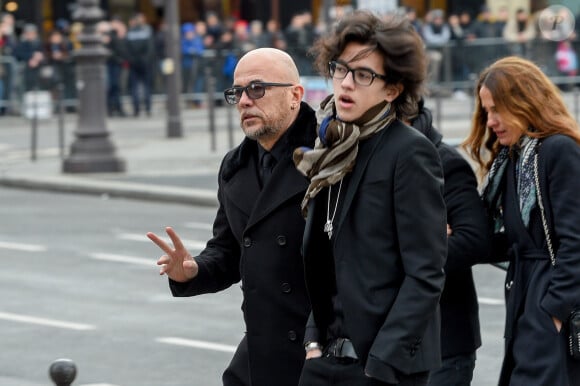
x=311 y=334
x=420 y=218
x=562 y=168
x=219 y=262
x=469 y=241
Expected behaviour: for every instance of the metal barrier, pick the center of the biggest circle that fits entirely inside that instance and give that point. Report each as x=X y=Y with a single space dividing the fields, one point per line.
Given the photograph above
x=468 y=55
x=461 y=58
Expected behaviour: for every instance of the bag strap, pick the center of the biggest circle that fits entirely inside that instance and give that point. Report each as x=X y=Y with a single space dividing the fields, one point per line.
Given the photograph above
x=542 y=211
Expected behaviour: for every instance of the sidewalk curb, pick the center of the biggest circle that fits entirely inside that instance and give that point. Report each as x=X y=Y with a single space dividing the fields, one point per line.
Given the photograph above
x=177 y=195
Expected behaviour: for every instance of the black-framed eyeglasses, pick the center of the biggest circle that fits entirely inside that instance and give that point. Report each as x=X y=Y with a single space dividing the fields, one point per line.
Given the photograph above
x=361 y=76
x=254 y=90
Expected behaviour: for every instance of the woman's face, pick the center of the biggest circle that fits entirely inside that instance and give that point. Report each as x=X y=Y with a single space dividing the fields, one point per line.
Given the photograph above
x=351 y=99
x=507 y=136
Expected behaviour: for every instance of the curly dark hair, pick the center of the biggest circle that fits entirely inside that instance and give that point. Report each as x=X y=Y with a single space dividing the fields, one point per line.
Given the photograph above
x=402 y=49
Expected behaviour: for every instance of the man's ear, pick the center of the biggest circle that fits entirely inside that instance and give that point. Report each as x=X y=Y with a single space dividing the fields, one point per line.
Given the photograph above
x=298 y=93
x=393 y=91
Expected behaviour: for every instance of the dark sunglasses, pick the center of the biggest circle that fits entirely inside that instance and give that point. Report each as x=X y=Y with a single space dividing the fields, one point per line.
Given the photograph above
x=255 y=90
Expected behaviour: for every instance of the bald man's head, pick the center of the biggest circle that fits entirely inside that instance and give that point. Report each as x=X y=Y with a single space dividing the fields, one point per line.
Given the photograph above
x=267 y=116
x=273 y=60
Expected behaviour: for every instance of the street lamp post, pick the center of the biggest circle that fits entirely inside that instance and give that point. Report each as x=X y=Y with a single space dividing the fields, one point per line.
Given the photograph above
x=92 y=150
x=172 y=68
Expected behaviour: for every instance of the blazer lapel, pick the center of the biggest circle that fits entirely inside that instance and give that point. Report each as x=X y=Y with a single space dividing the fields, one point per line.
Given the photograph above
x=362 y=160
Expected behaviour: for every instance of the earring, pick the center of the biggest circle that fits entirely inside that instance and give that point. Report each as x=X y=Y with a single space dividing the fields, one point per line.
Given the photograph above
x=292 y=107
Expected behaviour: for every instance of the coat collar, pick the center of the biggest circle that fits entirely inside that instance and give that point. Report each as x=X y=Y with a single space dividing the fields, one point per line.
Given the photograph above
x=301 y=132
x=424 y=123
x=241 y=181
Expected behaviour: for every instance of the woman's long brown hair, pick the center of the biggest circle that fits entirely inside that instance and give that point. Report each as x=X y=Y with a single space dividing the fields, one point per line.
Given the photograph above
x=526 y=99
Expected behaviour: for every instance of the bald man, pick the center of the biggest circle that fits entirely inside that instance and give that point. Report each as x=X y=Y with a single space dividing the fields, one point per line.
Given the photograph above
x=258 y=227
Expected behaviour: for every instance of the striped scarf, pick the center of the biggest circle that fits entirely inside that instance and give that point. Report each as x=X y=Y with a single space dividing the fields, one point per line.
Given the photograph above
x=336 y=147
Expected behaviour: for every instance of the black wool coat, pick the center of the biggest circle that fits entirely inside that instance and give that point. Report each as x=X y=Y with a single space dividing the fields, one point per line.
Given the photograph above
x=257 y=240
x=536 y=291
x=467 y=246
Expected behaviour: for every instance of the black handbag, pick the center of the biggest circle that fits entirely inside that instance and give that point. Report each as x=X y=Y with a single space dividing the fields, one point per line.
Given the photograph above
x=574 y=319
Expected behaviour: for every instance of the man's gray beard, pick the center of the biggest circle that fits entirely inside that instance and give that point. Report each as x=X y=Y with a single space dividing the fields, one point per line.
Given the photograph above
x=264 y=132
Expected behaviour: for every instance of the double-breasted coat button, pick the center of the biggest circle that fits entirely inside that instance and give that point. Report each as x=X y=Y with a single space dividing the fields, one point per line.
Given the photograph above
x=286 y=288
x=247 y=242
x=281 y=240
x=292 y=335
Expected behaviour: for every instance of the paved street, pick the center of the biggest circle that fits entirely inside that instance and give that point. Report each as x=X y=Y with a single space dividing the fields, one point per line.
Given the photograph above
x=79 y=279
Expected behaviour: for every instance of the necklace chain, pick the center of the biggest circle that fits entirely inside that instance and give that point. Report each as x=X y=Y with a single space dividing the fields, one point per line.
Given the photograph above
x=328 y=227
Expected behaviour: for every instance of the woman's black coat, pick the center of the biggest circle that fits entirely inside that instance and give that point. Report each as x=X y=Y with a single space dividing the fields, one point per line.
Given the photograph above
x=536 y=291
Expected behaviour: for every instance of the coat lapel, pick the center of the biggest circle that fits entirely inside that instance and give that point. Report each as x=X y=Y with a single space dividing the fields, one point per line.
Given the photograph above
x=243 y=188
x=366 y=151
x=286 y=182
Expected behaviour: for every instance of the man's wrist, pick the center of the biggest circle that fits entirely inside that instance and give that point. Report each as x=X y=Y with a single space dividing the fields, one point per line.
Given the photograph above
x=311 y=346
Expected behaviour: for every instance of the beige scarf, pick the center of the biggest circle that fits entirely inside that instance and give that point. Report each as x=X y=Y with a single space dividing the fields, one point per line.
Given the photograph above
x=336 y=147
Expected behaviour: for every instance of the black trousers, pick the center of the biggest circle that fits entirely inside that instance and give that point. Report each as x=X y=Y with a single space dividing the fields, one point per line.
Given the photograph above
x=330 y=371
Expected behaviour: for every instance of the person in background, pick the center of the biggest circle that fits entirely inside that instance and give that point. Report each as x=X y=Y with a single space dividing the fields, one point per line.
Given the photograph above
x=29 y=51
x=493 y=46
x=411 y=14
x=436 y=34
x=459 y=66
x=59 y=54
x=299 y=36
x=140 y=48
x=191 y=50
x=201 y=63
x=566 y=61
x=258 y=227
x=467 y=245
x=527 y=143
x=115 y=43
x=275 y=36
x=520 y=31
x=8 y=70
x=375 y=240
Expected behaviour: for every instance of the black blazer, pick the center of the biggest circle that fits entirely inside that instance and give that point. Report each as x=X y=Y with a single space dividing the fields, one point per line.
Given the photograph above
x=388 y=252
x=257 y=239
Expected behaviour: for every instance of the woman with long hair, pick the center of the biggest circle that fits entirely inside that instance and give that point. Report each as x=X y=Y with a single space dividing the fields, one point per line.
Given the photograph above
x=527 y=144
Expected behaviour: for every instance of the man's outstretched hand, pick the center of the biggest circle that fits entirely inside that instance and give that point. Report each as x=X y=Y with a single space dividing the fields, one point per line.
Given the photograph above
x=177 y=263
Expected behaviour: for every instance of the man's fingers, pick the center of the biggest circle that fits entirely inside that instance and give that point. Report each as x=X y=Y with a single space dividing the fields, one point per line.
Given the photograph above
x=160 y=243
x=174 y=238
x=163 y=260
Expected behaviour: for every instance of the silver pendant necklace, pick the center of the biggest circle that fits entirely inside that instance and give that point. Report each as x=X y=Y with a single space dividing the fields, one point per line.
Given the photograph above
x=328 y=228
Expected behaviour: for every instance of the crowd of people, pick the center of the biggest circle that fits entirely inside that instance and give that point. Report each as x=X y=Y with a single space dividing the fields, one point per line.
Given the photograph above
x=137 y=51
x=473 y=42
x=459 y=45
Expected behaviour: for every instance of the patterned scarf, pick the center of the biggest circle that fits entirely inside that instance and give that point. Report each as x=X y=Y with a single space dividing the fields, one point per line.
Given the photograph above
x=336 y=146
x=526 y=188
